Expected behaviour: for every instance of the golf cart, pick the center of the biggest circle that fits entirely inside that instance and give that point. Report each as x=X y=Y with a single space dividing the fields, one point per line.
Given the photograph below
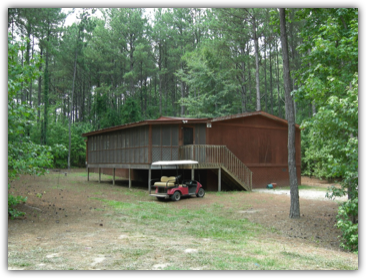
x=174 y=187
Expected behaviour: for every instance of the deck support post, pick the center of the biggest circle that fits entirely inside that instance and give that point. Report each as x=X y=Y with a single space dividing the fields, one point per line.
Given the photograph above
x=129 y=176
x=88 y=172
x=219 y=181
x=114 y=176
x=192 y=173
x=100 y=173
x=149 y=185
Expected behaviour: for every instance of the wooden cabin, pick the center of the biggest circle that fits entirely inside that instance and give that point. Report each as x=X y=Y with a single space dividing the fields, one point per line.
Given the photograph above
x=237 y=152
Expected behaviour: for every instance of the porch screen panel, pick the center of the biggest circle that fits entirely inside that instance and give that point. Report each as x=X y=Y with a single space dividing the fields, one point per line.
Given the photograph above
x=146 y=155
x=166 y=154
x=175 y=136
x=136 y=155
x=156 y=136
x=141 y=154
x=175 y=154
x=166 y=135
x=131 y=156
x=156 y=154
x=175 y=142
x=123 y=156
x=156 y=143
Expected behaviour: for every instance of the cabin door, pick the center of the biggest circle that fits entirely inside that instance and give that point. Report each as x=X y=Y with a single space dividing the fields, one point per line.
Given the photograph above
x=187 y=136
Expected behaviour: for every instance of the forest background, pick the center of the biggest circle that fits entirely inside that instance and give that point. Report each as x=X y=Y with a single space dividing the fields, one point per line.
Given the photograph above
x=128 y=65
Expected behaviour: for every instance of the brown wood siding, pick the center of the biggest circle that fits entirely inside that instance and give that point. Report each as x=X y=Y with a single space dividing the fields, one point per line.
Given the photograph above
x=260 y=143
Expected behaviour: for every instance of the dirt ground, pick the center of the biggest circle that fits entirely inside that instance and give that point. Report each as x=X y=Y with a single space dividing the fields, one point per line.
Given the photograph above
x=57 y=214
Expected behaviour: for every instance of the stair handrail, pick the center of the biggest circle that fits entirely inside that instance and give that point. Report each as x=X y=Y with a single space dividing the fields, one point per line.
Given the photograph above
x=218 y=156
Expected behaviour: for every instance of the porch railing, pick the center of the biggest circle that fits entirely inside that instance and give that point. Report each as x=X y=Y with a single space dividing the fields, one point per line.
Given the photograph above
x=214 y=156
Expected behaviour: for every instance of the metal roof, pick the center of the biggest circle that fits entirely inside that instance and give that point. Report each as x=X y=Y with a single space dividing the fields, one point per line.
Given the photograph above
x=250 y=114
x=178 y=120
x=161 y=120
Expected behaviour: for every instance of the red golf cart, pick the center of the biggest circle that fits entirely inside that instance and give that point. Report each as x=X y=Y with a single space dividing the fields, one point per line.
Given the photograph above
x=174 y=187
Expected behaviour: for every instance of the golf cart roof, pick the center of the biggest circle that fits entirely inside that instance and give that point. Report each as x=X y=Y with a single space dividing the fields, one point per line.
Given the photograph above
x=174 y=162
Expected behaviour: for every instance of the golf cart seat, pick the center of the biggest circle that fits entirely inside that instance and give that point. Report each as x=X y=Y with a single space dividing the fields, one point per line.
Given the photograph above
x=166 y=181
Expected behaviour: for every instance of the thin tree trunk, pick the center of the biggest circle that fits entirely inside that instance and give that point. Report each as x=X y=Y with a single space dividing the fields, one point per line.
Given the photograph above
x=72 y=97
x=243 y=86
x=141 y=92
x=278 y=85
x=270 y=77
x=27 y=59
x=46 y=90
x=31 y=82
x=249 y=78
x=160 y=96
x=256 y=50
x=145 y=100
x=132 y=91
x=313 y=108
x=23 y=90
x=265 y=77
x=182 y=97
x=294 y=190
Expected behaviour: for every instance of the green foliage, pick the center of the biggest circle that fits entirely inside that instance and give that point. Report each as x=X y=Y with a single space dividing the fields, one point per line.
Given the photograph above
x=330 y=80
x=59 y=138
x=24 y=156
x=208 y=74
x=130 y=111
x=346 y=223
x=12 y=202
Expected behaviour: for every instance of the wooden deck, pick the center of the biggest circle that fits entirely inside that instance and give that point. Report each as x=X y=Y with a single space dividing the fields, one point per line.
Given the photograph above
x=230 y=168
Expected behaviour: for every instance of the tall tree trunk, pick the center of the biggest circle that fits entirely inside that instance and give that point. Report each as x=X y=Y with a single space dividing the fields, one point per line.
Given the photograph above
x=46 y=91
x=249 y=91
x=160 y=96
x=141 y=91
x=294 y=190
x=265 y=76
x=278 y=85
x=256 y=50
x=270 y=77
x=145 y=100
x=132 y=89
x=72 y=97
x=182 y=97
x=243 y=86
x=20 y=98
x=27 y=59
x=31 y=82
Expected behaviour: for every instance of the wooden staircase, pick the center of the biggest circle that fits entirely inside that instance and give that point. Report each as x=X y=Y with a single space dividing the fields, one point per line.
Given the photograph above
x=213 y=156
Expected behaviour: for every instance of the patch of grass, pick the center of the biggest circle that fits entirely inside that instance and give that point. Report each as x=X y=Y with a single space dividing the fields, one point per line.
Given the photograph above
x=317 y=262
x=206 y=222
x=136 y=193
x=160 y=232
x=22 y=263
x=126 y=252
x=293 y=255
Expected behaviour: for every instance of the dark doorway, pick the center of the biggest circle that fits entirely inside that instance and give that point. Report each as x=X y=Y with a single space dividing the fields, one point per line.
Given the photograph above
x=188 y=136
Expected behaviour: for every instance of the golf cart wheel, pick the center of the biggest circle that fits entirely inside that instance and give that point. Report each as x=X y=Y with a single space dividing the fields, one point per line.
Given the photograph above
x=176 y=196
x=200 y=193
